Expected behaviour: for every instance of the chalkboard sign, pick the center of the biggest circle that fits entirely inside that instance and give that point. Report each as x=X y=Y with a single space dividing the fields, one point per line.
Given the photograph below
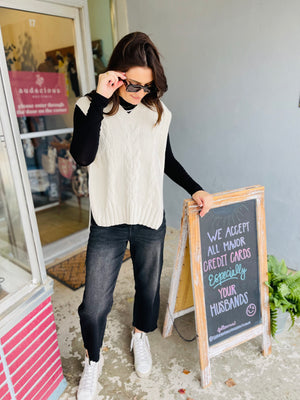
x=220 y=273
x=230 y=270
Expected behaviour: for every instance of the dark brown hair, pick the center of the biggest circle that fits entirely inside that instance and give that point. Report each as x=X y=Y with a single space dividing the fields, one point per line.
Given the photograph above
x=137 y=50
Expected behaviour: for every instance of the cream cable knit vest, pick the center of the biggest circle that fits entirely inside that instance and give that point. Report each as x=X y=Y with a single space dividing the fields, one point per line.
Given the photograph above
x=126 y=177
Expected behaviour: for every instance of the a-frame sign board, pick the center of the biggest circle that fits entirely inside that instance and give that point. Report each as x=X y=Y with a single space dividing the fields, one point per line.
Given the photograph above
x=220 y=274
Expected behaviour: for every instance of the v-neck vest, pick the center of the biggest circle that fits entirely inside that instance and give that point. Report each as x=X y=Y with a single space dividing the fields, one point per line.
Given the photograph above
x=126 y=177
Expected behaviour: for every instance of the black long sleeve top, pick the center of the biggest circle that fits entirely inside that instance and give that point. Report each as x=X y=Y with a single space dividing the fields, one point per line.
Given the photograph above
x=85 y=141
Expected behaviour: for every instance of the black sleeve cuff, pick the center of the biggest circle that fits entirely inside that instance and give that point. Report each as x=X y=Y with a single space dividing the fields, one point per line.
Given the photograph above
x=97 y=100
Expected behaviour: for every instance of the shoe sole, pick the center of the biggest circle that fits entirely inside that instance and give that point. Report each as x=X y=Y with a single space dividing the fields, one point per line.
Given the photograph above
x=143 y=375
x=92 y=398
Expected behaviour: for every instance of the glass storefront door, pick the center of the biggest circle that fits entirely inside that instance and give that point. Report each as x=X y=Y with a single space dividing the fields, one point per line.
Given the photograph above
x=21 y=263
x=42 y=68
x=40 y=80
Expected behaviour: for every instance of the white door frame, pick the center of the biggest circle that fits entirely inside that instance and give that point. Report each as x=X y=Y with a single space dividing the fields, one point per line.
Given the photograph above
x=119 y=19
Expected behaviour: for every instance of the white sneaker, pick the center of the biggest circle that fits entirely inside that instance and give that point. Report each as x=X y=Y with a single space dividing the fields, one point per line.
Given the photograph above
x=87 y=389
x=142 y=355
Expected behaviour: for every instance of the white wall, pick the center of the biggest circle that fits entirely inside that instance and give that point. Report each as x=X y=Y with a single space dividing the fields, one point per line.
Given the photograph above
x=233 y=70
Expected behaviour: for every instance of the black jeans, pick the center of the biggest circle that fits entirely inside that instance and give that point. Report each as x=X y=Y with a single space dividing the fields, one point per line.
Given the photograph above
x=105 y=251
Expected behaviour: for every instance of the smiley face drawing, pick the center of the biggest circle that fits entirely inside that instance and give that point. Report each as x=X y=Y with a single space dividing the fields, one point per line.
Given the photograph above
x=251 y=310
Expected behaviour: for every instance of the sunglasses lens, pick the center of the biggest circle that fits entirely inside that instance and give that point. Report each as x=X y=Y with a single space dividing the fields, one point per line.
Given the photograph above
x=133 y=88
x=136 y=88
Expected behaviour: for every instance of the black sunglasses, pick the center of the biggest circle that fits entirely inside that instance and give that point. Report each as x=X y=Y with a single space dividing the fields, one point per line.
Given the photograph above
x=130 y=87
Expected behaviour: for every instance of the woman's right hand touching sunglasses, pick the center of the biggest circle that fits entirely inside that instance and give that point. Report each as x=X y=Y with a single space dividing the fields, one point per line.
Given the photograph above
x=109 y=82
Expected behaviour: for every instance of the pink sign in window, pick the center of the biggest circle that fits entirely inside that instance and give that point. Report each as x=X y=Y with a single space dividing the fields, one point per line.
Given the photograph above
x=39 y=93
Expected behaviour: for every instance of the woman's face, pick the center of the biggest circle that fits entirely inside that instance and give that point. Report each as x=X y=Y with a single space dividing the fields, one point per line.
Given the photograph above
x=137 y=76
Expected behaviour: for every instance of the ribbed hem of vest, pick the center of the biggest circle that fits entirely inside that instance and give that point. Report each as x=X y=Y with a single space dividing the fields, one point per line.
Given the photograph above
x=148 y=217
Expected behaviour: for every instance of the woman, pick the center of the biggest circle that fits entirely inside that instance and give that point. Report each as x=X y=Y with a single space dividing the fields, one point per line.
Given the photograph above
x=121 y=132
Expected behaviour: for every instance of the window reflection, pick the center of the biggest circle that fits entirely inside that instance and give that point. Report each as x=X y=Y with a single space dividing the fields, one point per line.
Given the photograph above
x=43 y=75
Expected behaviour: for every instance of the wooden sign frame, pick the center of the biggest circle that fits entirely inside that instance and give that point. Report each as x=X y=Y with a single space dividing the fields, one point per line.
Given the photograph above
x=187 y=286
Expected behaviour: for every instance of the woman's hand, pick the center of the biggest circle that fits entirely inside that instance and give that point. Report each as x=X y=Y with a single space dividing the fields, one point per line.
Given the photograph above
x=204 y=200
x=109 y=82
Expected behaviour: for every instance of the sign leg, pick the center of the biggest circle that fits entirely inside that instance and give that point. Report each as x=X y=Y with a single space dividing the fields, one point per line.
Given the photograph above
x=266 y=337
x=169 y=318
x=198 y=294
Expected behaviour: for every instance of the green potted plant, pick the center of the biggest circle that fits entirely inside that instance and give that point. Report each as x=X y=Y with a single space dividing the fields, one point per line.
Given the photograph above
x=284 y=292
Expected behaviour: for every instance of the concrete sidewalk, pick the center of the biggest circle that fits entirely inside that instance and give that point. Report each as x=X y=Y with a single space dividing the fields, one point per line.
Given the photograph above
x=256 y=377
